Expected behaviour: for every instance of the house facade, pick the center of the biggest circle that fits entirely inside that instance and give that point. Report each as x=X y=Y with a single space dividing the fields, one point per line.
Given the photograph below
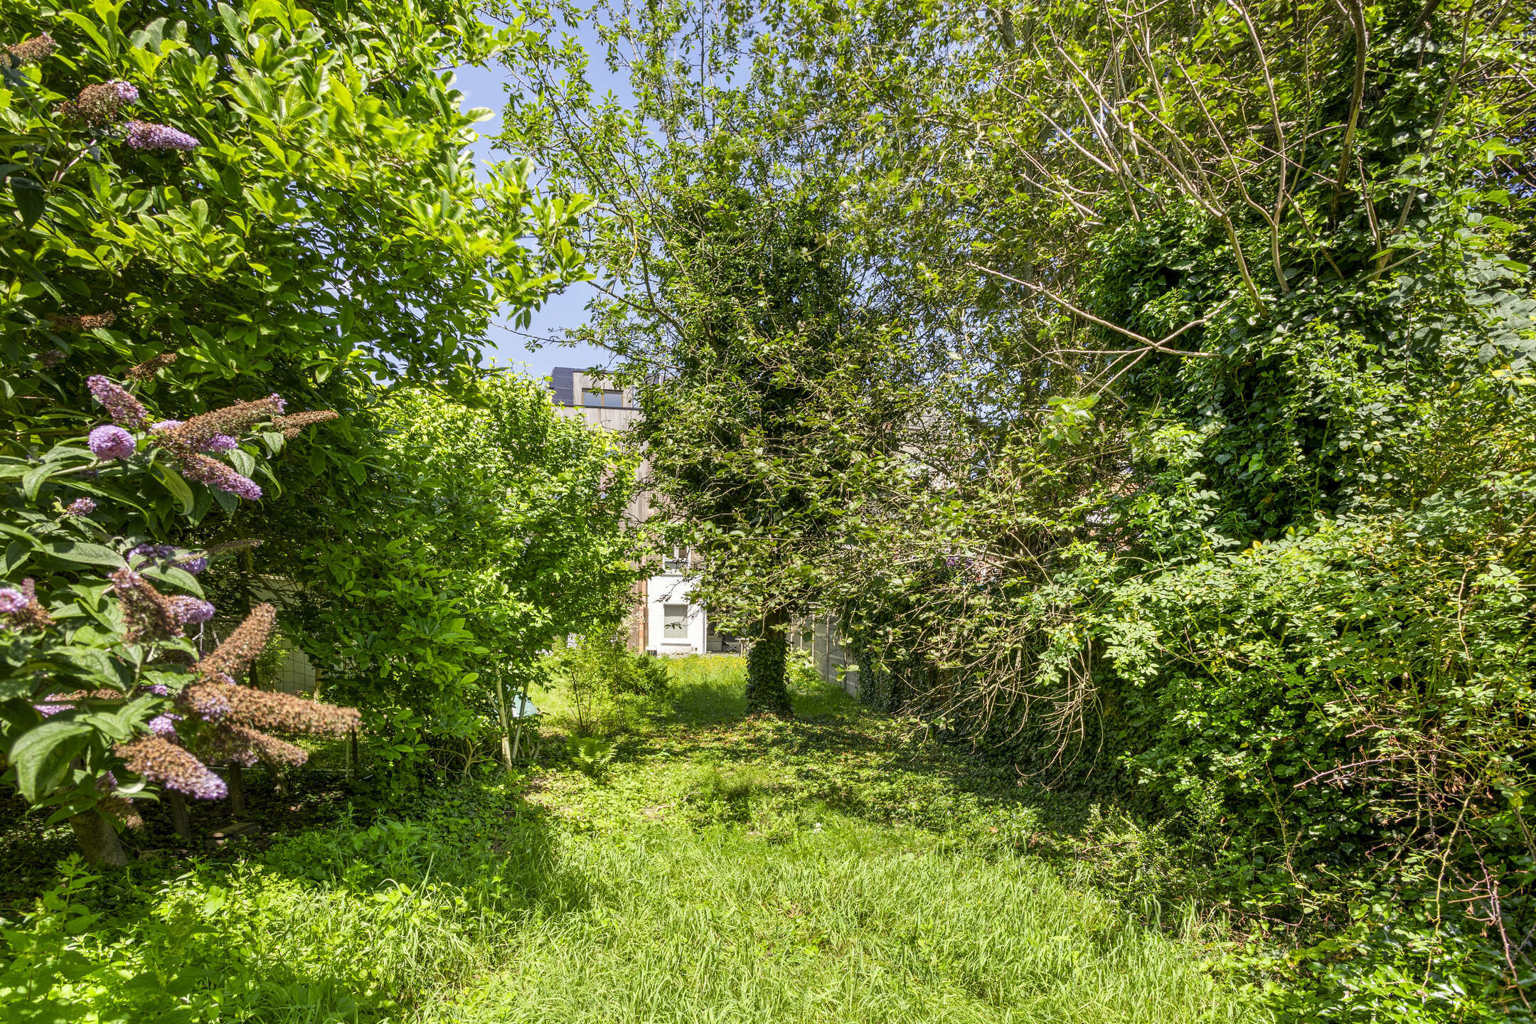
x=665 y=619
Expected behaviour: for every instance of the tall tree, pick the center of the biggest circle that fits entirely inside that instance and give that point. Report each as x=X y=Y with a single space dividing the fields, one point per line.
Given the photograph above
x=733 y=303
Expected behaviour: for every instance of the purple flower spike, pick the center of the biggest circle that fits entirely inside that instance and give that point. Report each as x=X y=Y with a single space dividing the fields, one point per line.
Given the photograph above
x=159 y=760
x=163 y=725
x=194 y=565
x=120 y=405
x=80 y=507
x=209 y=787
x=220 y=443
x=124 y=91
x=11 y=600
x=190 y=611
x=219 y=476
x=145 y=135
x=163 y=425
x=152 y=551
x=209 y=705
x=109 y=442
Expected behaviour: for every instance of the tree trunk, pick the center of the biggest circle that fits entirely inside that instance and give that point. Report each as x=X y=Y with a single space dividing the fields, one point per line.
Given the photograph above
x=98 y=840
x=507 y=751
x=766 y=690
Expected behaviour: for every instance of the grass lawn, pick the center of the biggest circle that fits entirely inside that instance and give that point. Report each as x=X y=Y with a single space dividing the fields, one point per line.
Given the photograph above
x=717 y=869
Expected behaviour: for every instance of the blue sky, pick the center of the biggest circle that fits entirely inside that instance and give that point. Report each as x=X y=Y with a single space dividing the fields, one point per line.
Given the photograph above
x=485 y=87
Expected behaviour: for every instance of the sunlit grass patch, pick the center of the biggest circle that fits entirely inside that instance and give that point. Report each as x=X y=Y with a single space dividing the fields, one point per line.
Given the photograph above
x=722 y=867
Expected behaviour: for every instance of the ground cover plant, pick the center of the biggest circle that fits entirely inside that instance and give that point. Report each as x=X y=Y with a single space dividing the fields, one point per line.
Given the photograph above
x=825 y=868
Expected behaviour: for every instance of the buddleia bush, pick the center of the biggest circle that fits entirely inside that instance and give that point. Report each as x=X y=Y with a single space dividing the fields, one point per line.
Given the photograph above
x=107 y=697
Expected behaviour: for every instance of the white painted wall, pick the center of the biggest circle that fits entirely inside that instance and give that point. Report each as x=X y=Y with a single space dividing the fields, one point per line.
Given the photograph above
x=671 y=588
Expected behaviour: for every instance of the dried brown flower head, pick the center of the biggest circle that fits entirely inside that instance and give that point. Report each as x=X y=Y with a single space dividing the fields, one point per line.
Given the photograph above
x=83 y=322
x=160 y=760
x=99 y=104
x=190 y=438
x=92 y=321
x=123 y=811
x=232 y=547
x=20 y=608
x=149 y=367
x=293 y=423
x=232 y=657
x=28 y=51
x=148 y=614
x=268 y=709
x=245 y=746
x=78 y=695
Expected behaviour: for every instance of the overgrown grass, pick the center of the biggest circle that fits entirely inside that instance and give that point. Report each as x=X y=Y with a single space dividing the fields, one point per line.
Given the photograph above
x=728 y=869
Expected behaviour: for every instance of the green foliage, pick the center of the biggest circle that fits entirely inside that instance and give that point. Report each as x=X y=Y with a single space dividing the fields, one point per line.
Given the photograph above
x=1162 y=424
x=489 y=528
x=46 y=960
x=716 y=793
x=329 y=221
x=328 y=236
x=592 y=755
x=603 y=685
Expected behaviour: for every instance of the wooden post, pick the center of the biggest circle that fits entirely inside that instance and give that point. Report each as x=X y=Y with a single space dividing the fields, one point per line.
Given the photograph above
x=236 y=782
x=179 y=820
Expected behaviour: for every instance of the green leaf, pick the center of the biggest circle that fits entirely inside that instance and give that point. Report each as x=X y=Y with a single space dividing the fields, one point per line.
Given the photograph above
x=34 y=479
x=31 y=198
x=177 y=485
x=84 y=553
x=178 y=578
x=42 y=754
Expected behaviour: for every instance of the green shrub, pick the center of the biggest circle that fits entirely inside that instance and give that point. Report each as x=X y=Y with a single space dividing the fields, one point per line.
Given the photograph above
x=603 y=684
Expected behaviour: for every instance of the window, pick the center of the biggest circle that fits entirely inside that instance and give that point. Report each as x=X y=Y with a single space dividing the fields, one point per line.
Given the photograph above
x=679 y=560
x=674 y=622
x=602 y=398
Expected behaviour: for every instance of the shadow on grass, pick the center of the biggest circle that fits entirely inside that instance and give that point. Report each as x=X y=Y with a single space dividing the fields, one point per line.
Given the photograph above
x=351 y=919
x=857 y=761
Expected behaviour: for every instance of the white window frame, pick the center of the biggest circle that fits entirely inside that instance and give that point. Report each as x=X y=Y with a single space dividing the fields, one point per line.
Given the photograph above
x=674 y=623
x=602 y=398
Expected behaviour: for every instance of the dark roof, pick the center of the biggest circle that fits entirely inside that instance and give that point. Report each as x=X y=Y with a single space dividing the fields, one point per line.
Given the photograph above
x=562 y=382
